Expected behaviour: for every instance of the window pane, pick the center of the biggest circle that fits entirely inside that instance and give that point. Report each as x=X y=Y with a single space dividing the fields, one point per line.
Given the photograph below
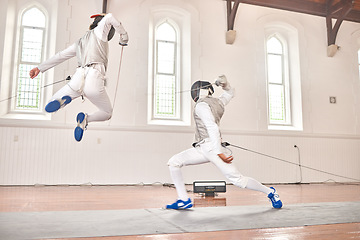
x=166 y=101
x=166 y=32
x=31 y=42
x=166 y=57
x=165 y=96
x=32 y=45
x=276 y=103
x=275 y=69
x=28 y=90
x=274 y=46
x=34 y=18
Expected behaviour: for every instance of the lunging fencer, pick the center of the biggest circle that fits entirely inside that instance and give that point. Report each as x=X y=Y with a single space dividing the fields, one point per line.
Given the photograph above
x=88 y=81
x=208 y=111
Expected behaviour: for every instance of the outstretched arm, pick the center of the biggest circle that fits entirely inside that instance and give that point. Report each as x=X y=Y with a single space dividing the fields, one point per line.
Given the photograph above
x=54 y=60
x=34 y=72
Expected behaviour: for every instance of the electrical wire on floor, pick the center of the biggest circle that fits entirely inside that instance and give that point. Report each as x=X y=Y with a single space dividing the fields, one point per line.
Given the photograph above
x=340 y=183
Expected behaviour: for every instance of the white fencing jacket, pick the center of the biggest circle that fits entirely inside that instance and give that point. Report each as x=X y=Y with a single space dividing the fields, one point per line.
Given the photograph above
x=207 y=114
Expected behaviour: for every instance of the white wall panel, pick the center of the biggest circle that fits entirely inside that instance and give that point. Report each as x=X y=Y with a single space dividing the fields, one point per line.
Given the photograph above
x=51 y=156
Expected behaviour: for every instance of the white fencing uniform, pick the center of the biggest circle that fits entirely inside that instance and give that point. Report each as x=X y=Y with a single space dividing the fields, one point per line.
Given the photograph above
x=207 y=114
x=89 y=79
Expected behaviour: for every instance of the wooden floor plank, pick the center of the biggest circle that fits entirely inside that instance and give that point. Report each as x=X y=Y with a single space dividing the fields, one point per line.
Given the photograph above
x=73 y=198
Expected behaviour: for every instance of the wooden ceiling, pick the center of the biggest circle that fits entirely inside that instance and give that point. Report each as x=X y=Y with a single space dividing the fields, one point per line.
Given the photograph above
x=341 y=10
x=313 y=7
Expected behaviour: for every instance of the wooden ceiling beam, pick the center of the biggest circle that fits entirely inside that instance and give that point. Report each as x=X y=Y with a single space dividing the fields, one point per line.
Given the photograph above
x=302 y=6
x=353 y=16
x=333 y=9
x=342 y=8
x=231 y=13
x=231 y=9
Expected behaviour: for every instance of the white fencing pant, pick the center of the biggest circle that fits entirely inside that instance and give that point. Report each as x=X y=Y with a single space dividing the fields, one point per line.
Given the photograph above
x=89 y=82
x=200 y=155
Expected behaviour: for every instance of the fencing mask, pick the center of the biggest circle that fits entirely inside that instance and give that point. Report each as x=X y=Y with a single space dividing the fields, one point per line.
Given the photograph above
x=200 y=89
x=97 y=19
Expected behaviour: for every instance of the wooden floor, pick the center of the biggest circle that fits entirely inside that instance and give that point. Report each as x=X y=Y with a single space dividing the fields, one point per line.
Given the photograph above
x=72 y=198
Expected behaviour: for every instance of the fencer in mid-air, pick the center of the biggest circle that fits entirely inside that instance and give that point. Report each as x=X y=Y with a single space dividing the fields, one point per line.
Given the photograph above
x=208 y=111
x=88 y=81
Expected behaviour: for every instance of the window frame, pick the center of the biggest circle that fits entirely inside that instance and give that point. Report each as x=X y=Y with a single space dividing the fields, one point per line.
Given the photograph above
x=11 y=53
x=177 y=56
x=285 y=82
x=183 y=22
x=14 y=108
x=175 y=74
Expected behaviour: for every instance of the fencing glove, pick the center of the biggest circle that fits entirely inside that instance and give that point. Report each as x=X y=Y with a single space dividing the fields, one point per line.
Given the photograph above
x=222 y=82
x=124 y=38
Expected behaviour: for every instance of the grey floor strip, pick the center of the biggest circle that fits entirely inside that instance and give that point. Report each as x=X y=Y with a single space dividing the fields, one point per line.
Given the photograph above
x=35 y=225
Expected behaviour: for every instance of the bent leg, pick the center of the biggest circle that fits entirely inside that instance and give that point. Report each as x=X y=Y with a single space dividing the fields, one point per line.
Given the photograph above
x=234 y=176
x=60 y=99
x=257 y=186
x=65 y=91
x=188 y=157
x=71 y=88
x=94 y=90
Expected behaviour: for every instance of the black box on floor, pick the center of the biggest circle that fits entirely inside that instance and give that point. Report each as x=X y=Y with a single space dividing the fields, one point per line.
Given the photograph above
x=209 y=187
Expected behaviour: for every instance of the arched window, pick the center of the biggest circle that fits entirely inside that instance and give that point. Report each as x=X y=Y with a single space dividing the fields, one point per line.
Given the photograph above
x=31 y=47
x=166 y=80
x=277 y=82
x=169 y=65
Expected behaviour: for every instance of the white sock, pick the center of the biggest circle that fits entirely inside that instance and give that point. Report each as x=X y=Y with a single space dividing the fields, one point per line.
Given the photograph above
x=257 y=186
x=177 y=178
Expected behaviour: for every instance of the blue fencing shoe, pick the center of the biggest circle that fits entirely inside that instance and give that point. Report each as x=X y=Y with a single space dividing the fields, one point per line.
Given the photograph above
x=55 y=105
x=180 y=204
x=275 y=199
x=81 y=120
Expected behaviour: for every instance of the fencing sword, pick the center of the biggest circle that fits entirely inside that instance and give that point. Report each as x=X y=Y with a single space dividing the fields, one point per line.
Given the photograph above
x=202 y=87
x=190 y=90
x=118 y=75
x=47 y=85
x=225 y=144
x=118 y=79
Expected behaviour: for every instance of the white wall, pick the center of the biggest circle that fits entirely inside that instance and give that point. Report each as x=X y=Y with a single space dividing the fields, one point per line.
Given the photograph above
x=127 y=150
